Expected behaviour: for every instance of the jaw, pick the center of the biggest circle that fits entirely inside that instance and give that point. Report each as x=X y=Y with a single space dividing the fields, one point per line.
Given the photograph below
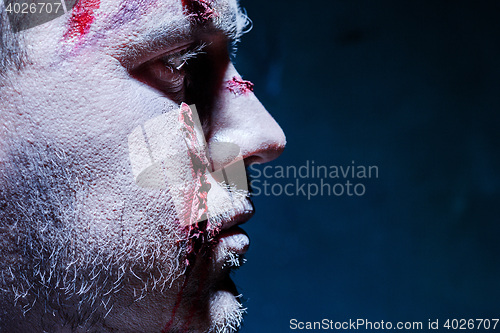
x=204 y=299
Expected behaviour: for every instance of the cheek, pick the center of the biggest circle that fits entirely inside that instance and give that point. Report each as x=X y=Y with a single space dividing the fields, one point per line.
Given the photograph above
x=118 y=217
x=73 y=109
x=168 y=153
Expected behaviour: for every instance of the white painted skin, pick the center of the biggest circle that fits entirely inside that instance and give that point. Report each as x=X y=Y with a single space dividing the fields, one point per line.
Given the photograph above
x=83 y=247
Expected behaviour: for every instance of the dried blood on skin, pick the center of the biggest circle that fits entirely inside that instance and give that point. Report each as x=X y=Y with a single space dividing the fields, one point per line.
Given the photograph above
x=199 y=244
x=194 y=218
x=199 y=160
x=204 y=252
x=200 y=10
x=170 y=322
x=202 y=283
x=82 y=17
x=239 y=86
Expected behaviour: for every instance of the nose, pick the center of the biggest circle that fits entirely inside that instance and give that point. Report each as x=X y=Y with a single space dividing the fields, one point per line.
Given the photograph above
x=239 y=118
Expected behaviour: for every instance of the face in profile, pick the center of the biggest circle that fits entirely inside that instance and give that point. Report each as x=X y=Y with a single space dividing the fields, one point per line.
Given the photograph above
x=125 y=132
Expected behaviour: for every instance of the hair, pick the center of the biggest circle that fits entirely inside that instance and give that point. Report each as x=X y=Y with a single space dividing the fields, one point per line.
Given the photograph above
x=11 y=52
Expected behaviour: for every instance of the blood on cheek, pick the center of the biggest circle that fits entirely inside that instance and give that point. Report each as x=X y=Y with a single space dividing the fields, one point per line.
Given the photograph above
x=199 y=230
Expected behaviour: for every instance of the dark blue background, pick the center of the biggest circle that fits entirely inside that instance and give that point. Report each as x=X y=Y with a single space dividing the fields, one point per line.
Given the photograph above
x=412 y=87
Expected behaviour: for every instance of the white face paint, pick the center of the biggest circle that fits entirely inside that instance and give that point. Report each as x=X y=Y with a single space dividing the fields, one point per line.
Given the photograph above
x=85 y=241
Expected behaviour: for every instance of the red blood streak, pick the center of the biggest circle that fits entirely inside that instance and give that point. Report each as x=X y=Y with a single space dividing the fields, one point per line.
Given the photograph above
x=196 y=217
x=239 y=86
x=192 y=311
x=176 y=307
x=82 y=18
x=199 y=161
x=200 y=10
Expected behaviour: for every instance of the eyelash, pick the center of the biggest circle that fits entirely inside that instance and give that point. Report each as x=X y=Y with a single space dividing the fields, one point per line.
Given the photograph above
x=179 y=59
x=170 y=72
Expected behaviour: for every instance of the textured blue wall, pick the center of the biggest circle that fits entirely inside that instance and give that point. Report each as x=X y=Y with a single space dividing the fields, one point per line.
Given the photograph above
x=412 y=87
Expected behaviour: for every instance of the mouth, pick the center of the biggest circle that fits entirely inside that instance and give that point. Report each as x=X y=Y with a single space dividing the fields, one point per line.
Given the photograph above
x=232 y=242
x=237 y=219
x=231 y=245
x=221 y=238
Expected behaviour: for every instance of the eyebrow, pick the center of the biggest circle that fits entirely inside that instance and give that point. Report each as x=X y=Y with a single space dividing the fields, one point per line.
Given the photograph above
x=180 y=31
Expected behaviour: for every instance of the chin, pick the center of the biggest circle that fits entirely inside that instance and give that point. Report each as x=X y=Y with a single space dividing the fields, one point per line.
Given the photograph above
x=207 y=300
x=226 y=312
x=216 y=310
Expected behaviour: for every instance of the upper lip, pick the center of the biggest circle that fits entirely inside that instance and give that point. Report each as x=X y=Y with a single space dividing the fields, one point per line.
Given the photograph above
x=238 y=218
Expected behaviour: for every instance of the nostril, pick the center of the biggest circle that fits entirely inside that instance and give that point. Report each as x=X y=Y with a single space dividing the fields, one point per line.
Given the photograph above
x=253 y=160
x=265 y=154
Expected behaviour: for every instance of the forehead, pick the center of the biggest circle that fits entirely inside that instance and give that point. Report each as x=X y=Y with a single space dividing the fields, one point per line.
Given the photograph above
x=129 y=29
x=141 y=18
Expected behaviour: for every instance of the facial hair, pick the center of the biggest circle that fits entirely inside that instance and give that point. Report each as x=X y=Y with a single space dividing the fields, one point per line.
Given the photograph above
x=52 y=256
x=53 y=260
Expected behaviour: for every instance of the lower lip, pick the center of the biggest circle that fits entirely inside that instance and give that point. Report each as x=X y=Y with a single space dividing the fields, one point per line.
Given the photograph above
x=234 y=240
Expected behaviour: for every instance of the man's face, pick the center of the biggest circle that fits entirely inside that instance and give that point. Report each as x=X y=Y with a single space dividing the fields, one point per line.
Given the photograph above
x=113 y=212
